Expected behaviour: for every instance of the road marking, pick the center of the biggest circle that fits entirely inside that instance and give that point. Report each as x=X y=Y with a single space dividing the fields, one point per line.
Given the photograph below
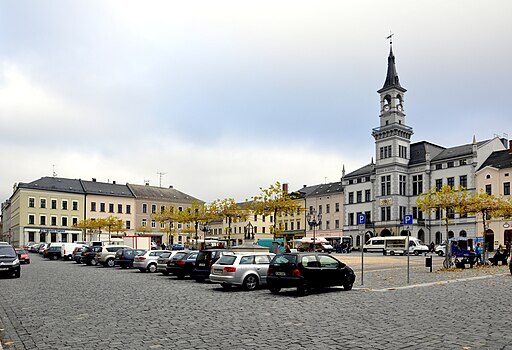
x=429 y=284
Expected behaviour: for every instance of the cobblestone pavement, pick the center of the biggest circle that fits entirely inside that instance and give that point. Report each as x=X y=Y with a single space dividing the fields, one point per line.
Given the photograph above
x=62 y=305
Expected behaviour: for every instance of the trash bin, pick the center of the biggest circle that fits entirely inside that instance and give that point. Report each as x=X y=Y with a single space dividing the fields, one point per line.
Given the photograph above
x=428 y=262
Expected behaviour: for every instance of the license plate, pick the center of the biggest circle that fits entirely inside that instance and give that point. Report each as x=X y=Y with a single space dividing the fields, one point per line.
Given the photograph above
x=4 y=268
x=201 y=264
x=217 y=272
x=279 y=273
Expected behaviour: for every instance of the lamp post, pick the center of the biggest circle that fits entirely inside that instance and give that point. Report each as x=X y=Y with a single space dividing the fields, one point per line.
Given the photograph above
x=314 y=219
x=206 y=229
x=249 y=231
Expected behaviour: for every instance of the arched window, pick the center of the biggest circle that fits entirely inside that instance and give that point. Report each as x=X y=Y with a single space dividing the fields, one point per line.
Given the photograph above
x=421 y=235
x=463 y=233
x=450 y=234
x=439 y=237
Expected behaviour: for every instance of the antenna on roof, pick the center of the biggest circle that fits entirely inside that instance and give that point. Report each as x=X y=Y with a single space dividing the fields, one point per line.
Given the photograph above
x=390 y=38
x=53 y=170
x=160 y=174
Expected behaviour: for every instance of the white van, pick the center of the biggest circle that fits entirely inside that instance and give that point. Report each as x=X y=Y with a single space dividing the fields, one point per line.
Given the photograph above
x=397 y=245
x=68 y=248
x=374 y=244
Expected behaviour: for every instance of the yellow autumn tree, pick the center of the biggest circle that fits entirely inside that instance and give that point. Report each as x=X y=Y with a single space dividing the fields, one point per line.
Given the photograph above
x=112 y=224
x=198 y=213
x=227 y=209
x=168 y=216
x=274 y=201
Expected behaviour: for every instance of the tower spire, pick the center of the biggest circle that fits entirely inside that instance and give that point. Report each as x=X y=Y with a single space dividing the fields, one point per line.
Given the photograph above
x=392 y=79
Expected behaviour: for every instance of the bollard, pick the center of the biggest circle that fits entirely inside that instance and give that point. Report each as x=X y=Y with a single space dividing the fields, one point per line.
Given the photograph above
x=428 y=262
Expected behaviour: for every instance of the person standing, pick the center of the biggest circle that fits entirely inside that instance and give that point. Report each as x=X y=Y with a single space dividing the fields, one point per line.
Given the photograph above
x=478 y=253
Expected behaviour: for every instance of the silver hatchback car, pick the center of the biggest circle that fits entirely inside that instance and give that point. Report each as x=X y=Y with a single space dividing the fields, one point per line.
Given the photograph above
x=147 y=262
x=248 y=270
x=163 y=259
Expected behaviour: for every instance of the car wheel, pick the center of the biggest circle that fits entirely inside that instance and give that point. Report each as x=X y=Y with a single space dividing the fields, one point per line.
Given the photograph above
x=440 y=253
x=274 y=290
x=110 y=262
x=365 y=250
x=416 y=252
x=54 y=257
x=391 y=253
x=250 y=282
x=152 y=268
x=303 y=290
x=94 y=262
x=347 y=285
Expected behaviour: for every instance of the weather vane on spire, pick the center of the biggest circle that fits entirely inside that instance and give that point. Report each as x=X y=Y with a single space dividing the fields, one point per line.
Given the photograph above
x=390 y=38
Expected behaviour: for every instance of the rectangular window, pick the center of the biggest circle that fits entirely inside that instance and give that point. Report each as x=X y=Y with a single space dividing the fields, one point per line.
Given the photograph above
x=75 y=205
x=292 y=224
x=359 y=196
x=438 y=214
x=74 y=221
x=439 y=166
x=298 y=226
x=153 y=208
x=128 y=224
x=402 y=184
x=153 y=224
x=449 y=165
x=286 y=226
x=110 y=207
x=74 y=237
x=255 y=217
x=506 y=188
x=320 y=209
x=350 y=197
x=327 y=208
x=368 y=216
x=64 y=238
x=463 y=181
x=144 y=222
x=351 y=219
x=93 y=206
x=31 y=219
x=450 y=182
x=102 y=207
x=439 y=184
x=488 y=189
x=337 y=207
x=119 y=208
x=128 y=209
x=450 y=214
x=162 y=208
x=42 y=203
x=144 y=208
x=53 y=221
x=402 y=212
x=385 y=213
x=417 y=185
x=42 y=220
x=336 y=224
x=64 y=221
x=327 y=225
x=162 y=225
x=31 y=236
x=367 y=195
x=463 y=162
x=414 y=212
x=64 y=204
x=385 y=185
x=31 y=202
x=54 y=204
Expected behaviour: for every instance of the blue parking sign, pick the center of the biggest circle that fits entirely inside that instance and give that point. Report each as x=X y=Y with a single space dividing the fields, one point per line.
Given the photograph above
x=361 y=219
x=408 y=219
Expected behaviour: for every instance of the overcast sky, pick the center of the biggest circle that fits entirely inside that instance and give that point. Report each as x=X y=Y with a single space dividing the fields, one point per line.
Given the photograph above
x=225 y=97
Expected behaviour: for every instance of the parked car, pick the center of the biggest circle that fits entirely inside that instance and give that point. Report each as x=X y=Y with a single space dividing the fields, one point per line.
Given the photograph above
x=107 y=254
x=42 y=248
x=205 y=260
x=23 y=256
x=68 y=249
x=308 y=270
x=248 y=270
x=147 y=262
x=88 y=256
x=163 y=259
x=53 y=252
x=440 y=249
x=76 y=256
x=124 y=257
x=182 y=264
x=9 y=262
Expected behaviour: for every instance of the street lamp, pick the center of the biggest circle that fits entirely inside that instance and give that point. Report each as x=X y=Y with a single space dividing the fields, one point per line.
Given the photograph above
x=249 y=231
x=206 y=229
x=314 y=220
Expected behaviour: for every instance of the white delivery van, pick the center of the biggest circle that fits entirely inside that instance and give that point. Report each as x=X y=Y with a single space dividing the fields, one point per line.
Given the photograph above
x=397 y=245
x=374 y=244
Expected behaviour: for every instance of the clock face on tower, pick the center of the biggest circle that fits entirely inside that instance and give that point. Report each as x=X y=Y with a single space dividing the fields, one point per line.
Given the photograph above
x=399 y=107
x=386 y=108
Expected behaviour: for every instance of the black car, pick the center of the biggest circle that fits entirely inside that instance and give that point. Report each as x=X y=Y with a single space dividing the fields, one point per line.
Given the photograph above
x=53 y=253
x=124 y=257
x=308 y=270
x=89 y=254
x=9 y=262
x=182 y=264
x=205 y=259
x=77 y=254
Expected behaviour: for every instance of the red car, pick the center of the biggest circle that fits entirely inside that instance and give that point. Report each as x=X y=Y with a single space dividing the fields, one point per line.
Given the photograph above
x=23 y=256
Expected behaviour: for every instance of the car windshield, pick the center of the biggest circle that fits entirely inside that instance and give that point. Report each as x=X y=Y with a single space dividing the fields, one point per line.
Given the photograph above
x=165 y=255
x=179 y=256
x=226 y=260
x=6 y=251
x=284 y=260
x=21 y=251
x=203 y=256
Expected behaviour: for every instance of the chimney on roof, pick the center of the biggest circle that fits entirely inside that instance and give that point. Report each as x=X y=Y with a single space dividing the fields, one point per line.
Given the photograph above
x=304 y=186
x=113 y=182
x=146 y=183
x=285 y=188
x=171 y=186
x=93 y=179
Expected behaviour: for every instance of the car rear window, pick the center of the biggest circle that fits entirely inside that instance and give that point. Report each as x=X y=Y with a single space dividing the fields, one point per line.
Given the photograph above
x=203 y=256
x=226 y=260
x=284 y=260
x=165 y=255
x=179 y=256
x=21 y=251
